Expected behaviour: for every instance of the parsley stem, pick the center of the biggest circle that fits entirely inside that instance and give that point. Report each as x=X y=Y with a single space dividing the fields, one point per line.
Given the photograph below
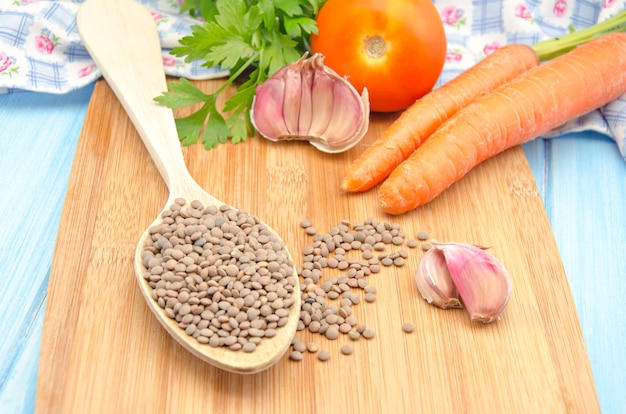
x=235 y=75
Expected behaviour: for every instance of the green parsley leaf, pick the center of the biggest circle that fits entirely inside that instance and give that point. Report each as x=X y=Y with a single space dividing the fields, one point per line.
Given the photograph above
x=189 y=128
x=216 y=129
x=182 y=94
x=300 y=26
x=251 y=37
x=289 y=7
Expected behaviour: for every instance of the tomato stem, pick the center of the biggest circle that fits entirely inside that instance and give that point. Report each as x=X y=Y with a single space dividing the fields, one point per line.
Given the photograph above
x=375 y=46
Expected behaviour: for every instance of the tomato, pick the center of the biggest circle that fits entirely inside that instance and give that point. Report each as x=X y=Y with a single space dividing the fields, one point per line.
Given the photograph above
x=395 y=48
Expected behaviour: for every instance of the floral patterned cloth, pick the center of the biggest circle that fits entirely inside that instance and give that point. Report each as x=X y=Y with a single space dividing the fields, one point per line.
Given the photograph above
x=40 y=49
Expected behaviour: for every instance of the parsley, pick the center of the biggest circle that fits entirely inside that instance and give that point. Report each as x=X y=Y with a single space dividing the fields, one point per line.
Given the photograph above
x=253 y=38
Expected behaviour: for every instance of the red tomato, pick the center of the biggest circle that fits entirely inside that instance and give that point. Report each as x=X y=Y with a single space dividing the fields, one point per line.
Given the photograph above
x=395 y=48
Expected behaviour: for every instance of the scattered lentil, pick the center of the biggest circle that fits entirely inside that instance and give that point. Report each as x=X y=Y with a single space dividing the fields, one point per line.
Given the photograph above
x=347 y=349
x=408 y=327
x=332 y=332
x=295 y=356
x=368 y=333
x=323 y=355
x=299 y=347
x=422 y=235
x=354 y=335
x=397 y=240
x=320 y=314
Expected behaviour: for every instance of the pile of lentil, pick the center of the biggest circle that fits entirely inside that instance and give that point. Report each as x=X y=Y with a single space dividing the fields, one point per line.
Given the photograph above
x=223 y=276
x=320 y=313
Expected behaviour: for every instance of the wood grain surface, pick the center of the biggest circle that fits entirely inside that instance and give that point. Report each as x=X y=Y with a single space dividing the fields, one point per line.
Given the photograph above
x=102 y=351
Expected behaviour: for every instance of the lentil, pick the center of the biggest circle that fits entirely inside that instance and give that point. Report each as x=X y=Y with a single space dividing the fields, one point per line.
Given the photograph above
x=354 y=335
x=312 y=347
x=347 y=349
x=408 y=327
x=299 y=346
x=323 y=355
x=332 y=332
x=295 y=356
x=397 y=240
x=368 y=334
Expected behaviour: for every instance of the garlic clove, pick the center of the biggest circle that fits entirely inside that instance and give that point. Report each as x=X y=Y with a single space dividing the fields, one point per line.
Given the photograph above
x=323 y=101
x=434 y=281
x=292 y=98
x=481 y=280
x=307 y=100
x=305 y=115
x=336 y=145
x=270 y=96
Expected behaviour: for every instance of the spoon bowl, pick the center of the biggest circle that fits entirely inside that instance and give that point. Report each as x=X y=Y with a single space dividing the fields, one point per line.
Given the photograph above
x=122 y=38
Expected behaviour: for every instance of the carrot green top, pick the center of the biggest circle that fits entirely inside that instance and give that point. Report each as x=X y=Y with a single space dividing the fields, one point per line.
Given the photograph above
x=551 y=48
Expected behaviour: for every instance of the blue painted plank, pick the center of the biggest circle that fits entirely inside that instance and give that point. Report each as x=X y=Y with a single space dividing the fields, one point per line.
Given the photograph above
x=536 y=155
x=38 y=138
x=587 y=208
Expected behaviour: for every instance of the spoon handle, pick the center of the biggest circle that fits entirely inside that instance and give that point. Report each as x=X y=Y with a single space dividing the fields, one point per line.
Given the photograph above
x=122 y=38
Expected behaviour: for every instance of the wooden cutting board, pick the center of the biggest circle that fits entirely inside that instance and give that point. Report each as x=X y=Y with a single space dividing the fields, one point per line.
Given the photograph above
x=102 y=350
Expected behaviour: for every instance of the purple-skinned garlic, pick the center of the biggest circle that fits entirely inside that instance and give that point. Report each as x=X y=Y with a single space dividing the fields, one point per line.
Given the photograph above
x=451 y=270
x=307 y=100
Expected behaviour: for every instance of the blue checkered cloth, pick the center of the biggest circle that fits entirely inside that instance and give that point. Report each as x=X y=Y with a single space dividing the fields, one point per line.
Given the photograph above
x=40 y=49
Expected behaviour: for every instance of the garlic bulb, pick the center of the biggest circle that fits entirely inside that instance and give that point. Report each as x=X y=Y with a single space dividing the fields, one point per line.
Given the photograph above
x=450 y=270
x=307 y=100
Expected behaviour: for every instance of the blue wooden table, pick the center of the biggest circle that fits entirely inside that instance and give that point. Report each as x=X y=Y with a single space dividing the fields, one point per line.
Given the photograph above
x=581 y=177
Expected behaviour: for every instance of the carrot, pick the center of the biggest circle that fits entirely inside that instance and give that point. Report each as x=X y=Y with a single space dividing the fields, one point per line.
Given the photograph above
x=420 y=120
x=537 y=101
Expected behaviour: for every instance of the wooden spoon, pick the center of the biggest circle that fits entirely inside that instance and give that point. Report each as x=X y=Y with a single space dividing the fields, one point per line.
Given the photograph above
x=122 y=38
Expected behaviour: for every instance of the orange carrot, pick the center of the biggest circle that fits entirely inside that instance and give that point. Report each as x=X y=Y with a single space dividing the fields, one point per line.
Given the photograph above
x=537 y=101
x=422 y=118
x=419 y=121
